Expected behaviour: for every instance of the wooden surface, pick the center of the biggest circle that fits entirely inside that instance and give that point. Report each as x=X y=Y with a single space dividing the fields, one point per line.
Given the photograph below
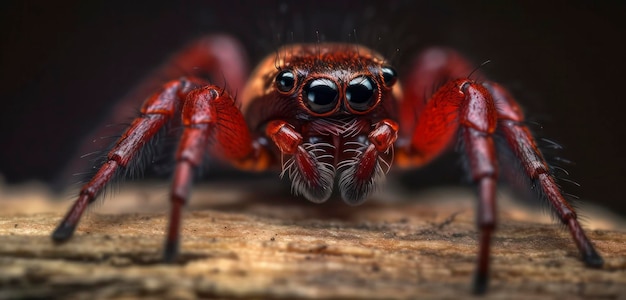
x=240 y=244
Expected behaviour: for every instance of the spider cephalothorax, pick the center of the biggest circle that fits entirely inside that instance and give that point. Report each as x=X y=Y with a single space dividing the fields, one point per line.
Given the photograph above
x=334 y=100
x=333 y=117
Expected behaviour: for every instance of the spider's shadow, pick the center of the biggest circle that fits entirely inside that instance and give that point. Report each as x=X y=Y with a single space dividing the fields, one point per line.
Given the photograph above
x=268 y=196
x=261 y=193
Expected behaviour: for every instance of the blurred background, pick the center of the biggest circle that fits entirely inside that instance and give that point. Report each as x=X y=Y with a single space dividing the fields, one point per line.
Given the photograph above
x=65 y=64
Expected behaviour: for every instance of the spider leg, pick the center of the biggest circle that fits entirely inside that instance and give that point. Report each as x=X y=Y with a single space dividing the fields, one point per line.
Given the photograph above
x=520 y=139
x=155 y=113
x=219 y=57
x=478 y=119
x=208 y=114
x=466 y=108
x=462 y=108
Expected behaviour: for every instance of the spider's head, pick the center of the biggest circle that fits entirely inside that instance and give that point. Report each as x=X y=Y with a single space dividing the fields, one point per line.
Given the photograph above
x=333 y=79
x=321 y=80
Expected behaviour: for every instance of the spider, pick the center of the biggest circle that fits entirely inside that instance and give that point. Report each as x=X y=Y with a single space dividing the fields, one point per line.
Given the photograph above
x=331 y=117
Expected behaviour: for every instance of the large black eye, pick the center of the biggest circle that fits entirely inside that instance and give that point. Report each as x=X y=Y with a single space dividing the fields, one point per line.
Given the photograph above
x=285 y=81
x=390 y=76
x=360 y=93
x=320 y=95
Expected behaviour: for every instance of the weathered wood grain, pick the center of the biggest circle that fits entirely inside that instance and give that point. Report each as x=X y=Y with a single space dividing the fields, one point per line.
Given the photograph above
x=239 y=244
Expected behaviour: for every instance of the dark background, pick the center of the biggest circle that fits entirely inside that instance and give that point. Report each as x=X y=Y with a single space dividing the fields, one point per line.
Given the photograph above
x=63 y=64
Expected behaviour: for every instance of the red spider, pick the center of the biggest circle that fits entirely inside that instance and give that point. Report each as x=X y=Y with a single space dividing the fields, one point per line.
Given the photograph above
x=332 y=114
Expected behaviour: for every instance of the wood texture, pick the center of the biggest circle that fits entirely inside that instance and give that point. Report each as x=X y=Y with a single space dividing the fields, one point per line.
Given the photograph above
x=239 y=244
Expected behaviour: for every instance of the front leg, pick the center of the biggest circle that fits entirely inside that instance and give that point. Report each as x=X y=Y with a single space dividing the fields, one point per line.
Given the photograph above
x=156 y=112
x=219 y=58
x=208 y=114
x=474 y=113
x=466 y=108
x=520 y=139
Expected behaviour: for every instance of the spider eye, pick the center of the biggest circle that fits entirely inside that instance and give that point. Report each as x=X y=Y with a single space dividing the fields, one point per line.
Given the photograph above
x=285 y=81
x=320 y=95
x=360 y=93
x=390 y=76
